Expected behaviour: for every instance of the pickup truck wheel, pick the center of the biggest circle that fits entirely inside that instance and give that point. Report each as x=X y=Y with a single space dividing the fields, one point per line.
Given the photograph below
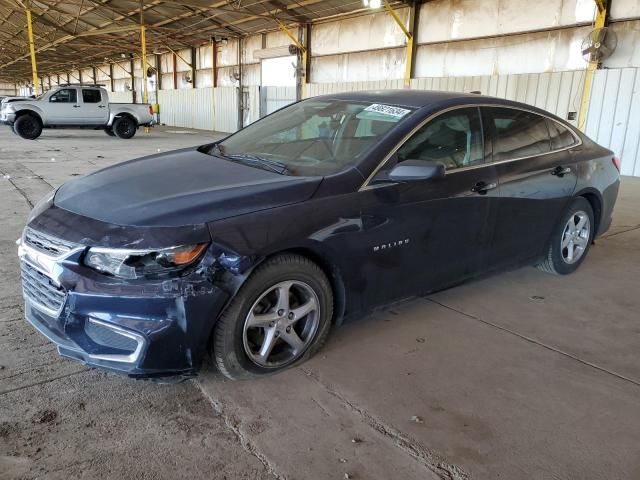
x=124 y=127
x=28 y=126
x=109 y=131
x=279 y=318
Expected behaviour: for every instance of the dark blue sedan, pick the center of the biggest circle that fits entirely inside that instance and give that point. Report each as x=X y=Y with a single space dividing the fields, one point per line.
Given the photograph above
x=252 y=247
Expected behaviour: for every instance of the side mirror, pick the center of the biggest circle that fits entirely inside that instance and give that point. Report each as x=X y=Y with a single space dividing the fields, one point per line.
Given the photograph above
x=415 y=170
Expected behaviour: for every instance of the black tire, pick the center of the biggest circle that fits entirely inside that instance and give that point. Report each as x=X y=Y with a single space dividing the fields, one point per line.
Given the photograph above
x=124 y=127
x=228 y=346
x=28 y=126
x=109 y=131
x=555 y=261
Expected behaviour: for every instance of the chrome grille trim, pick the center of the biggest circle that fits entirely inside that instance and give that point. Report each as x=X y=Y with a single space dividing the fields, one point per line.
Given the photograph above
x=108 y=337
x=46 y=243
x=130 y=358
x=40 y=290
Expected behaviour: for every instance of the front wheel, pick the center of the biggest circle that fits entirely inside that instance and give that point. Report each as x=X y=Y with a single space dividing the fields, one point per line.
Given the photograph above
x=571 y=239
x=280 y=317
x=124 y=127
x=109 y=131
x=28 y=126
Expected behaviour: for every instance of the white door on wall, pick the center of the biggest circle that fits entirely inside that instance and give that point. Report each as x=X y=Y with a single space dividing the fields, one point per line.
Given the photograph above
x=278 y=85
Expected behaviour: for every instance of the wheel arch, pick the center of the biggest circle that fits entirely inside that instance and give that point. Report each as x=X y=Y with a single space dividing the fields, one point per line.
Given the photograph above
x=28 y=111
x=595 y=200
x=125 y=115
x=316 y=254
x=333 y=274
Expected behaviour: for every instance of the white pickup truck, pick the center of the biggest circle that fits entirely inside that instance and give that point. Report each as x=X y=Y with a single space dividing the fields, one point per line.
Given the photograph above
x=75 y=106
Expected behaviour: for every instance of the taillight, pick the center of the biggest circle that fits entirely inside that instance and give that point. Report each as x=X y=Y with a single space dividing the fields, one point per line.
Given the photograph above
x=150 y=110
x=616 y=163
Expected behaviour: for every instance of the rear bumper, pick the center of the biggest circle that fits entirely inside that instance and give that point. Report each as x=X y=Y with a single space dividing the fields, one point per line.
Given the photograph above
x=609 y=198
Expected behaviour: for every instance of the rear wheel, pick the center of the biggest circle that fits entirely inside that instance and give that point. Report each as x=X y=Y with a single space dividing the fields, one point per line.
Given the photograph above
x=109 y=131
x=280 y=317
x=571 y=239
x=124 y=127
x=28 y=126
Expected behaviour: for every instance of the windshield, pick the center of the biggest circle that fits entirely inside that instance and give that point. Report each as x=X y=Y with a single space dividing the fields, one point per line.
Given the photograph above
x=314 y=137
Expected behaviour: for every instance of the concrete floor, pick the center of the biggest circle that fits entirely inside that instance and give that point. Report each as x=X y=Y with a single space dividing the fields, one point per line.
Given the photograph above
x=522 y=375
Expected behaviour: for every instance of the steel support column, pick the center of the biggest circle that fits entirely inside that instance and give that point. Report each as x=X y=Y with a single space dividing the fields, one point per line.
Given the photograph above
x=132 y=67
x=408 y=70
x=194 y=57
x=175 y=70
x=600 y=21
x=112 y=82
x=240 y=93
x=214 y=63
x=32 y=50
x=143 y=42
x=303 y=58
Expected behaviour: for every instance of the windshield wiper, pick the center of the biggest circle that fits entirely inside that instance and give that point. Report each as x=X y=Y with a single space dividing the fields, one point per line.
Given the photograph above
x=255 y=160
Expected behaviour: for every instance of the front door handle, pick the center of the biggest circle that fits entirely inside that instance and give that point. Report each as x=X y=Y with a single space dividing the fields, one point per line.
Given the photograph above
x=560 y=171
x=483 y=187
x=76 y=106
x=102 y=106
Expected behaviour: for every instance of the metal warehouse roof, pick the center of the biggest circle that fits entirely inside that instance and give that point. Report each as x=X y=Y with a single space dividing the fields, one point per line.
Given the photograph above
x=80 y=33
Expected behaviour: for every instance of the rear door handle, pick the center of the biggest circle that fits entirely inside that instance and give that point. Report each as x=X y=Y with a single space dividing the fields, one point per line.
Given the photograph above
x=560 y=171
x=76 y=106
x=483 y=187
x=102 y=106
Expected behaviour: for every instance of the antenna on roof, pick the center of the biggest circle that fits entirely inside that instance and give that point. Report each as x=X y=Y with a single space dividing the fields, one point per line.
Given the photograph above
x=476 y=92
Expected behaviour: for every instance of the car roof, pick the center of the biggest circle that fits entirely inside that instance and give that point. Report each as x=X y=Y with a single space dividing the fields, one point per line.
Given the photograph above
x=423 y=98
x=403 y=97
x=434 y=98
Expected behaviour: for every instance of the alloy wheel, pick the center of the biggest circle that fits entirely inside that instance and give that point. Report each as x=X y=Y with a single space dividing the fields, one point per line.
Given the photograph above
x=281 y=324
x=575 y=237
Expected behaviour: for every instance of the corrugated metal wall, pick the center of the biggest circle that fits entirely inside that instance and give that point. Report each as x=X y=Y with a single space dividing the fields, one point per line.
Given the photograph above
x=226 y=106
x=275 y=98
x=187 y=108
x=614 y=115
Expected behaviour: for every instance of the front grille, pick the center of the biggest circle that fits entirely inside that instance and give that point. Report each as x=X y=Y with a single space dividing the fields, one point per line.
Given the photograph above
x=40 y=290
x=107 y=337
x=46 y=243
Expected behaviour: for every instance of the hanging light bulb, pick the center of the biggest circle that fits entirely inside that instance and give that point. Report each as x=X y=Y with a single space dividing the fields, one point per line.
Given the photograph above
x=375 y=3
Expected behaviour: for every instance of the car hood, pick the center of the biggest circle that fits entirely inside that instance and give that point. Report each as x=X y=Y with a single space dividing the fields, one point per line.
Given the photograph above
x=183 y=187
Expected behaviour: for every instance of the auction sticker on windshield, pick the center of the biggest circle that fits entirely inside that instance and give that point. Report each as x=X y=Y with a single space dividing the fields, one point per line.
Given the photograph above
x=396 y=112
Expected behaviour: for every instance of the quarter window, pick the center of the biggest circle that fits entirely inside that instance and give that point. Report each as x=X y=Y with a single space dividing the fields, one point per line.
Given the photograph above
x=453 y=138
x=91 y=95
x=66 y=95
x=561 y=137
x=518 y=134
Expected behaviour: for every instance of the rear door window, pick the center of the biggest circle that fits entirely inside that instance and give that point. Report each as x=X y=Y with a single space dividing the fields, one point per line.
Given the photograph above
x=518 y=133
x=91 y=95
x=561 y=136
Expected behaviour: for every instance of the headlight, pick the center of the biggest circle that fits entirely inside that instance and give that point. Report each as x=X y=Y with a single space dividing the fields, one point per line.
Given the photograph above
x=131 y=264
x=42 y=205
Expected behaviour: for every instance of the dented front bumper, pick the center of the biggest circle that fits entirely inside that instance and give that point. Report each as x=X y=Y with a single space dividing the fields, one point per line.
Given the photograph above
x=141 y=328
